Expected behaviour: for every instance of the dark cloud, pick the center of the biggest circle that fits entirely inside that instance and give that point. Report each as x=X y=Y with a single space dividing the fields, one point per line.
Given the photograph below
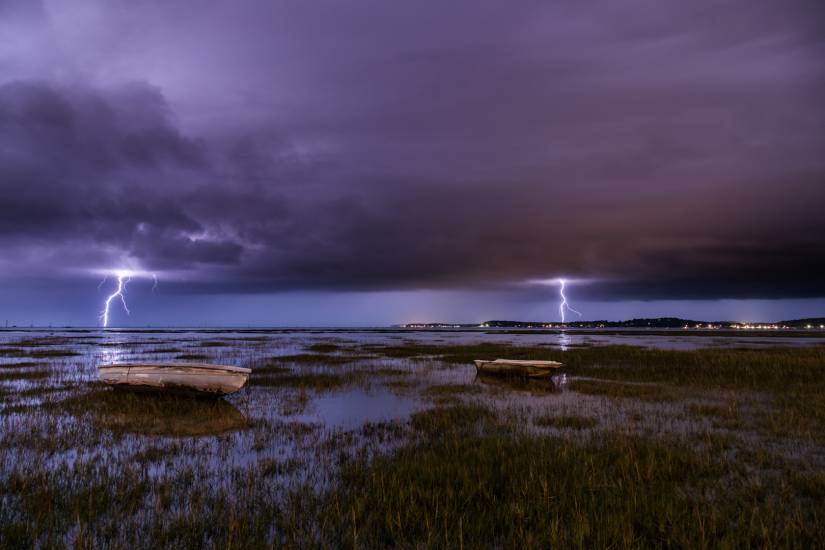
x=661 y=150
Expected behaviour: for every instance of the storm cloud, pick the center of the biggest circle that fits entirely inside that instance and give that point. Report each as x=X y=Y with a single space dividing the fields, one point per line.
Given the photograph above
x=657 y=149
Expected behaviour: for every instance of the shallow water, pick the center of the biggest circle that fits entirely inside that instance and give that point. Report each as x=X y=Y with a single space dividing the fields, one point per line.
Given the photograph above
x=55 y=417
x=373 y=399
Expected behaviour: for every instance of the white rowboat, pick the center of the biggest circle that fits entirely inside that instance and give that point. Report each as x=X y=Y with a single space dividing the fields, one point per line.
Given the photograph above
x=516 y=367
x=199 y=378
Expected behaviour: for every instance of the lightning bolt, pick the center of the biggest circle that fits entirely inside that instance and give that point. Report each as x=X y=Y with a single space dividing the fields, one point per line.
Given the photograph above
x=122 y=280
x=564 y=305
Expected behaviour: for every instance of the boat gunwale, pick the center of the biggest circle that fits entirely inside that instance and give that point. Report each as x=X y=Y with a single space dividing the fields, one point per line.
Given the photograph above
x=180 y=365
x=538 y=364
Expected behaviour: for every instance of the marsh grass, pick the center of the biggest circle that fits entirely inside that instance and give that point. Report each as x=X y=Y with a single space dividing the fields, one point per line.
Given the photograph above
x=725 y=415
x=792 y=377
x=403 y=386
x=20 y=365
x=151 y=413
x=270 y=368
x=440 y=390
x=473 y=483
x=323 y=347
x=386 y=371
x=40 y=353
x=162 y=350
x=49 y=353
x=192 y=357
x=38 y=374
x=315 y=358
x=643 y=392
x=506 y=385
x=732 y=460
x=314 y=381
x=41 y=342
x=565 y=422
x=767 y=369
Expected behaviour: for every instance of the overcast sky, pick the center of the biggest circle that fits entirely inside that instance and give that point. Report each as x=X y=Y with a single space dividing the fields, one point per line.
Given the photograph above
x=377 y=162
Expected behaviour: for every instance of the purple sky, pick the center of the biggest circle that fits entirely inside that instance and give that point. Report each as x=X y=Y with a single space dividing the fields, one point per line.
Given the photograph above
x=376 y=162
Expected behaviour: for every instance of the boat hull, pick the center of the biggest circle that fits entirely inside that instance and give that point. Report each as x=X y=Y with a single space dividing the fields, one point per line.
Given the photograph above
x=508 y=367
x=193 y=378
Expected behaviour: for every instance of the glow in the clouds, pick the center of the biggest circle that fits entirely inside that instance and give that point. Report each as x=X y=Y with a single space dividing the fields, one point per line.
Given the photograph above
x=564 y=305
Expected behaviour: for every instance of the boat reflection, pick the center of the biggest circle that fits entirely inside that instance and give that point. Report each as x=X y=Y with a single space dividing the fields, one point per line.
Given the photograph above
x=535 y=386
x=159 y=414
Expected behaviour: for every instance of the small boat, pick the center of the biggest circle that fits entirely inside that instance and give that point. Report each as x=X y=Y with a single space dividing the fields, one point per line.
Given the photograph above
x=516 y=367
x=197 y=378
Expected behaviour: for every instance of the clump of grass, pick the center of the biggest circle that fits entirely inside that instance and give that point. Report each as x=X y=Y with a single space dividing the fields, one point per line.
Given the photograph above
x=798 y=413
x=294 y=403
x=315 y=358
x=809 y=485
x=38 y=374
x=715 y=442
x=315 y=381
x=212 y=344
x=271 y=467
x=401 y=386
x=566 y=422
x=53 y=353
x=19 y=365
x=162 y=350
x=154 y=453
x=644 y=392
x=442 y=421
x=323 y=347
x=726 y=416
x=386 y=371
x=451 y=390
x=41 y=342
x=270 y=369
x=41 y=390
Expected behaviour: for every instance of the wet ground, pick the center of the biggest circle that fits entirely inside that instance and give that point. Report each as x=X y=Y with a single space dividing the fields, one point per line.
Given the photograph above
x=317 y=399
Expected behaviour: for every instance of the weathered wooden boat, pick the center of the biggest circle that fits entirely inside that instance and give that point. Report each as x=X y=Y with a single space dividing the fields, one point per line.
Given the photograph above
x=517 y=367
x=194 y=378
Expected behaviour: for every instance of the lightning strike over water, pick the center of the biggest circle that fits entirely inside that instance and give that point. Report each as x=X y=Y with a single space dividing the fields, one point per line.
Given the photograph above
x=564 y=305
x=122 y=281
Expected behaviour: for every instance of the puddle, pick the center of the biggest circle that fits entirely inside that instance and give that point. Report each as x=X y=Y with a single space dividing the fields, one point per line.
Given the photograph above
x=351 y=409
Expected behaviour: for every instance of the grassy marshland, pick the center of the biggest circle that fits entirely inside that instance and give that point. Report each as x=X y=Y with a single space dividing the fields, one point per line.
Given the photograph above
x=472 y=481
x=630 y=448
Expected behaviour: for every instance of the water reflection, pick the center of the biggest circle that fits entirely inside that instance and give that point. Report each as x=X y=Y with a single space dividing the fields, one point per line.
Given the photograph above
x=158 y=414
x=351 y=409
x=564 y=341
x=536 y=386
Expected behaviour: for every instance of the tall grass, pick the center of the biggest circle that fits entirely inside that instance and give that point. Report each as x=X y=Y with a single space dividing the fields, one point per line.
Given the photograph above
x=732 y=459
x=466 y=485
